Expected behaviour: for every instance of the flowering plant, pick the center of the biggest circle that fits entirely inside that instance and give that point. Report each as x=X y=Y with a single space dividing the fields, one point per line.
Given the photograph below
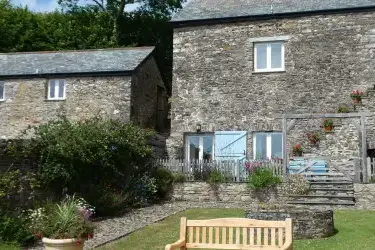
x=297 y=148
x=66 y=220
x=356 y=94
x=313 y=137
x=328 y=123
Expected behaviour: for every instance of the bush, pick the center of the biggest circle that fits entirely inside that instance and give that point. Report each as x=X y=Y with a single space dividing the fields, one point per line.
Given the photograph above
x=107 y=200
x=74 y=156
x=145 y=190
x=179 y=178
x=13 y=229
x=262 y=178
x=164 y=182
x=216 y=177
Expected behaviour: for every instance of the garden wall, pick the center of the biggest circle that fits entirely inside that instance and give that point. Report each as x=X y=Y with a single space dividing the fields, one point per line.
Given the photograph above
x=229 y=192
x=365 y=196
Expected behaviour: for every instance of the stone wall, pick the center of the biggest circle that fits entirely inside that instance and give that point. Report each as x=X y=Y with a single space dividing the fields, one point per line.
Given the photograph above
x=228 y=192
x=365 y=196
x=145 y=109
x=26 y=102
x=214 y=84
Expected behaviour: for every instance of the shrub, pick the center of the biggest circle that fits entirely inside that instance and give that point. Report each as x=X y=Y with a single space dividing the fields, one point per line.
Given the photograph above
x=14 y=183
x=216 y=176
x=296 y=184
x=262 y=178
x=13 y=229
x=179 y=177
x=145 y=190
x=66 y=220
x=107 y=200
x=77 y=155
x=164 y=182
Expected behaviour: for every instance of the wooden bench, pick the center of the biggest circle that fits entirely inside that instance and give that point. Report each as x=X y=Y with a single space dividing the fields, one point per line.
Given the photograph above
x=238 y=233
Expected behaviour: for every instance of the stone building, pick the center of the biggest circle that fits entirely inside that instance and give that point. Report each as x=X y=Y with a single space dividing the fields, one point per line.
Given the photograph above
x=239 y=65
x=122 y=84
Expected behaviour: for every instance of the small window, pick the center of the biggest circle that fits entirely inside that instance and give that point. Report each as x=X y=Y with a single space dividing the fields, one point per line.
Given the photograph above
x=56 y=90
x=2 y=91
x=199 y=146
x=267 y=145
x=269 y=57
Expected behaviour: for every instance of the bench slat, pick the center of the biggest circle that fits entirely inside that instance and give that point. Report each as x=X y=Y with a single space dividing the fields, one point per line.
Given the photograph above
x=233 y=246
x=197 y=231
x=273 y=236
x=217 y=237
x=210 y=235
x=231 y=235
x=252 y=236
x=238 y=235
x=244 y=236
x=281 y=232
x=204 y=234
x=235 y=222
x=191 y=234
x=224 y=235
x=265 y=231
x=259 y=236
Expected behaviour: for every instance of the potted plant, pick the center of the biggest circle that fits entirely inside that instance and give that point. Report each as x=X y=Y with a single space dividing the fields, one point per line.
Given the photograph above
x=328 y=125
x=356 y=96
x=297 y=150
x=63 y=226
x=314 y=138
x=343 y=109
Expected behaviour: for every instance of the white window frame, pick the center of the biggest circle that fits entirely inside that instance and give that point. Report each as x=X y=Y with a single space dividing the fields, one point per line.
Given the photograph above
x=269 y=51
x=3 y=99
x=268 y=143
x=201 y=135
x=56 y=89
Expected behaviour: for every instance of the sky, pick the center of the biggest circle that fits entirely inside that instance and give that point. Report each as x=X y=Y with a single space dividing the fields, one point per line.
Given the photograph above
x=50 y=5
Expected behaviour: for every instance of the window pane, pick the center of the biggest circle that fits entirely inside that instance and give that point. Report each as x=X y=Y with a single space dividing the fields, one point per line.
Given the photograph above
x=261 y=146
x=276 y=56
x=52 y=89
x=1 y=90
x=207 y=147
x=261 y=56
x=61 y=88
x=276 y=145
x=193 y=147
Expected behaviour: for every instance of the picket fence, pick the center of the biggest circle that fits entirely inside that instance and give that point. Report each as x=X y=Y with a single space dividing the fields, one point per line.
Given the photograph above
x=233 y=170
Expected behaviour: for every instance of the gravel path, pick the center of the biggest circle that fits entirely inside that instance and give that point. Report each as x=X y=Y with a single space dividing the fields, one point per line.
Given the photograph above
x=114 y=228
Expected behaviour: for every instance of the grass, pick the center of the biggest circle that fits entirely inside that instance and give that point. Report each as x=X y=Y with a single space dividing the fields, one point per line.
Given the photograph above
x=356 y=230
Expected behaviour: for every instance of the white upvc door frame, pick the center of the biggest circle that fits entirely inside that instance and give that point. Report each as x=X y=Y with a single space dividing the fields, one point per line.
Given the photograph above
x=201 y=142
x=268 y=143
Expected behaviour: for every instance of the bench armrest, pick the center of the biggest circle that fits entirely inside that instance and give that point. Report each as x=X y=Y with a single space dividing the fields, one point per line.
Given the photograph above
x=178 y=244
x=288 y=246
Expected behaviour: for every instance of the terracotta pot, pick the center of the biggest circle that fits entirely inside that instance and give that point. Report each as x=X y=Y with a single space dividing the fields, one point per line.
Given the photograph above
x=63 y=244
x=356 y=100
x=328 y=128
x=297 y=153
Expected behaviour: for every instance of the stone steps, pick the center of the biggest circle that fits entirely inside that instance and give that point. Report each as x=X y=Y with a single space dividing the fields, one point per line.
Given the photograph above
x=331 y=191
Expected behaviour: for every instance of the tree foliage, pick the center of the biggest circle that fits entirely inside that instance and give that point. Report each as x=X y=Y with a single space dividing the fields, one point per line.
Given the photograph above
x=90 y=27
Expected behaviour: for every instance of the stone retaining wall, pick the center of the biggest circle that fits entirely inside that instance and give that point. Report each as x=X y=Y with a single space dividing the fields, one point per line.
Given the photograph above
x=365 y=196
x=229 y=192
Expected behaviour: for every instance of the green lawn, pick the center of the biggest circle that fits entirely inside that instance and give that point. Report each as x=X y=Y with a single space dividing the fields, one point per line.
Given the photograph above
x=356 y=230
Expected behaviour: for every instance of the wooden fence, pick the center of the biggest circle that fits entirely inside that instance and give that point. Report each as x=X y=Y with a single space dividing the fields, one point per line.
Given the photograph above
x=232 y=170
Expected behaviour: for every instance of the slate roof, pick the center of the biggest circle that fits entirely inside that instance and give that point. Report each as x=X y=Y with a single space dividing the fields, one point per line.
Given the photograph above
x=88 y=62
x=216 y=9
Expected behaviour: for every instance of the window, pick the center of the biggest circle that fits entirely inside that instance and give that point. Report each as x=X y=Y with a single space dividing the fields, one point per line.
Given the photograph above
x=269 y=56
x=2 y=91
x=268 y=145
x=199 y=146
x=56 y=90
